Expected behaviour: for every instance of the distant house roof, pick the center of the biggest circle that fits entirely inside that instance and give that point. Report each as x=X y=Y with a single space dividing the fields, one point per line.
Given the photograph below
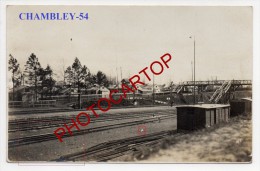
x=113 y=87
x=160 y=86
x=93 y=88
x=144 y=89
x=147 y=87
x=65 y=90
x=247 y=98
x=103 y=88
x=98 y=88
x=119 y=86
x=60 y=83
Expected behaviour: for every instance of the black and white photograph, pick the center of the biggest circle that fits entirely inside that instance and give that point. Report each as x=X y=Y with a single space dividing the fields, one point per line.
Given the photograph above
x=129 y=84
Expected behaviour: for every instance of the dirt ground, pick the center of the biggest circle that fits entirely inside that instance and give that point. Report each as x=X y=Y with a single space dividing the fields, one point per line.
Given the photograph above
x=229 y=142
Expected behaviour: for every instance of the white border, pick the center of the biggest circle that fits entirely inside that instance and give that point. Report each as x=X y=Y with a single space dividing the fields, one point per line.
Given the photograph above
x=194 y=167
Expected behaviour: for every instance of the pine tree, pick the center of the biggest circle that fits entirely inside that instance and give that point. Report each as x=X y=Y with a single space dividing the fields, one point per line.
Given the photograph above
x=81 y=74
x=33 y=72
x=76 y=67
x=14 y=68
x=86 y=76
x=47 y=80
x=68 y=76
x=101 y=79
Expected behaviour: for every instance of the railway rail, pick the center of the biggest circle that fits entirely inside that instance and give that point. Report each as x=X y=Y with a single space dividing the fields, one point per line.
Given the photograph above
x=50 y=136
x=48 y=122
x=113 y=149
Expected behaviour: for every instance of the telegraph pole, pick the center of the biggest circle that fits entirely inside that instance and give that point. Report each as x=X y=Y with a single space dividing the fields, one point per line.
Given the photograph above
x=191 y=71
x=116 y=77
x=121 y=73
x=153 y=89
x=194 y=73
x=194 y=80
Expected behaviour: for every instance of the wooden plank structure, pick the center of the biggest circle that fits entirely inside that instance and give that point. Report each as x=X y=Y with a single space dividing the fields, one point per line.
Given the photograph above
x=192 y=117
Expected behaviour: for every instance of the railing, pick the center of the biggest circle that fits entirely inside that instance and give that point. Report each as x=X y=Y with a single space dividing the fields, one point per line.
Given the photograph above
x=13 y=104
x=217 y=82
x=217 y=92
x=178 y=88
x=91 y=97
x=39 y=103
x=221 y=91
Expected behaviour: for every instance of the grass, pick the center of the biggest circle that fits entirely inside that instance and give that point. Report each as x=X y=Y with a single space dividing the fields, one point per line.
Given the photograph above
x=228 y=142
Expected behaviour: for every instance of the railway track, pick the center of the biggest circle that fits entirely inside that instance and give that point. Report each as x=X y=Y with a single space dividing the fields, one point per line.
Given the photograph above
x=48 y=122
x=113 y=149
x=50 y=136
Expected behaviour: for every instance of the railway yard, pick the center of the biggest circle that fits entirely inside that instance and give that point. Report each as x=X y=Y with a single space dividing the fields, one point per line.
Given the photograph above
x=145 y=133
x=113 y=134
x=126 y=133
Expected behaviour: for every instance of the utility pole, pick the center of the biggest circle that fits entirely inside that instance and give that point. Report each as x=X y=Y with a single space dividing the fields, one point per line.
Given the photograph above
x=191 y=71
x=194 y=73
x=13 y=84
x=121 y=73
x=63 y=73
x=116 y=77
x=153 y=90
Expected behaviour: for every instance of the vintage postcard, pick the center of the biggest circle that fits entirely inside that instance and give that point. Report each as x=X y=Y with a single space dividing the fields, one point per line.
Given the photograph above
x=129 y=83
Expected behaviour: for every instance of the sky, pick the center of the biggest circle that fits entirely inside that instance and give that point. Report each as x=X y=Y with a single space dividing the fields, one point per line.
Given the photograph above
x=132 y=37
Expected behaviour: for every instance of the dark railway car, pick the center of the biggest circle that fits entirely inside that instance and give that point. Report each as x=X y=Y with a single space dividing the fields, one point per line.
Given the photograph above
x=192 y=117
x=242 y=106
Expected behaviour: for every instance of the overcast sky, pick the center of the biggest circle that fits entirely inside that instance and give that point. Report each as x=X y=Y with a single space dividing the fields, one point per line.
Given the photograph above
x=132 y=37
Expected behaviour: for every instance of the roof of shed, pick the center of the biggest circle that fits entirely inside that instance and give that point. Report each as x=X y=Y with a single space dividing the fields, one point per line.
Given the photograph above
x=204 y=106
x=249 y=99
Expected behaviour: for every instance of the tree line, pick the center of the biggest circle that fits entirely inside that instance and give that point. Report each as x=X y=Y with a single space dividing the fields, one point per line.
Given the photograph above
x=42 y=81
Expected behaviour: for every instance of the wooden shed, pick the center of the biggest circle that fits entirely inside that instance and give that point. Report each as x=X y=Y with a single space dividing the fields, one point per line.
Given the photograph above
x=242 y=106
x=191 y=117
